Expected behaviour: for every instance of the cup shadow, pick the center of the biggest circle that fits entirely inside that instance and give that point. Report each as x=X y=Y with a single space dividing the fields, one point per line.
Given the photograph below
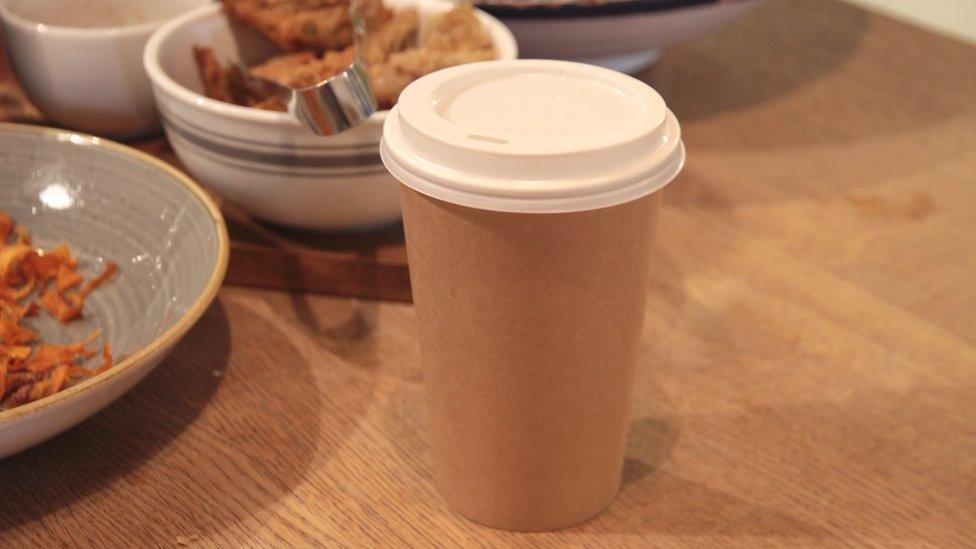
x=653 y=499
x=648 y=444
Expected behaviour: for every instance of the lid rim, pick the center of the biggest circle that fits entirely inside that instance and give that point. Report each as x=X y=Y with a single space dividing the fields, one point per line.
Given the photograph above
x=537 y=205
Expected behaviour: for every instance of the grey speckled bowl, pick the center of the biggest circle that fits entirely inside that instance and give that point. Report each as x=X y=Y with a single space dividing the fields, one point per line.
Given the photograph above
x=110 y=203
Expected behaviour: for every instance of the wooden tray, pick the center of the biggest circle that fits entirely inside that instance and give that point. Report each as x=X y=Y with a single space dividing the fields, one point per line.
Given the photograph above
x=371 y=265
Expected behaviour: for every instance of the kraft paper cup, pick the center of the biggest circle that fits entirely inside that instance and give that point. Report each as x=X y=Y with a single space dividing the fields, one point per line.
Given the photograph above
x=530 y=194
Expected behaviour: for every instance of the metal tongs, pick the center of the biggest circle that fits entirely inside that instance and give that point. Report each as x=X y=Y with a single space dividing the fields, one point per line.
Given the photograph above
x=338 y=103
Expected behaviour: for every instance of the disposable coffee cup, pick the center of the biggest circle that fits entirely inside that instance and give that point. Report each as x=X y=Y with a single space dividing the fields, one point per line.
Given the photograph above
x=531 y=190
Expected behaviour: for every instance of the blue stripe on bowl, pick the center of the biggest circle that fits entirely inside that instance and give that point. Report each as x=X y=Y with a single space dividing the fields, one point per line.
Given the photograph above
x=183 y=122
x=557 y=10
x=286 y=171
x=284 y=159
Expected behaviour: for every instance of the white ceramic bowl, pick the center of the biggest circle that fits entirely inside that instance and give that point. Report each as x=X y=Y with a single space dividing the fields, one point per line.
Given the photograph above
x=265 y=161
x=81 y=60
x=625 y=35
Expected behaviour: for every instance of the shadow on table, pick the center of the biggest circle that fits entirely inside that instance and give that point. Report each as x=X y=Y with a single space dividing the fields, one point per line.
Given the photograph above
x=366 y=264
x=892 y=78
x=405 y=423
x=206 y=442
x=884 y=465
x=121 y=438
x=351 y=337
x=667 y=297
x=653 y=500
x=777 y=49
x=648 y=444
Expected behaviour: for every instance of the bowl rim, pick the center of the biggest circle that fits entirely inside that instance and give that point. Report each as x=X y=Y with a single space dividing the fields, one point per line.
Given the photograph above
x=540 y=10
x=182 y=324
x=61 y=31
x=159 y=77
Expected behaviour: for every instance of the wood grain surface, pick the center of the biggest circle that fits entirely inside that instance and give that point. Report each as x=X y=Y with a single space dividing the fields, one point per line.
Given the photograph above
x=807 y=373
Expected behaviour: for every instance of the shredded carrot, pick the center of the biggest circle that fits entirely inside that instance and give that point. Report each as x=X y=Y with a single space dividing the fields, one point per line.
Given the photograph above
x=107 y=273
x=67 y=278
x=106 y=359
x=23 y=235
x=15 y=380
x=49 y=356
x=57 y=380
x=39 y=389
x=12 y=262
x=29 y=369
x=6 y=227
x=63 y=254
x=18 y=353
x=12 y=311
x=59 y=307
x=19 y=395
x=78 y=371
x=25 y=290
x=44 y=267
x=14 y=334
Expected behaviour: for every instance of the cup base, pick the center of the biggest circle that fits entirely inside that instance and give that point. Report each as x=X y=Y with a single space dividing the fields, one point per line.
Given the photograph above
x=523 y=524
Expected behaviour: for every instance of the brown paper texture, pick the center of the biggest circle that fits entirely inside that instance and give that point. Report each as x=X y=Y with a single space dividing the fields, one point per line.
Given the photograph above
x=528 y=326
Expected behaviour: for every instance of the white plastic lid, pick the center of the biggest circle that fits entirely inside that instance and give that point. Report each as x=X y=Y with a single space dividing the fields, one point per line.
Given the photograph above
x=532 y=136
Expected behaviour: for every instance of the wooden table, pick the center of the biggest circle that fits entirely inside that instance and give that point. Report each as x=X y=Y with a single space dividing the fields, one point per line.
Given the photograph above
x=808 y=375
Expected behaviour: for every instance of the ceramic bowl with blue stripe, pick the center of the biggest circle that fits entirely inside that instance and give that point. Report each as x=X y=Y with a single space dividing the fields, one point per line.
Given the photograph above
x=266 y=161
